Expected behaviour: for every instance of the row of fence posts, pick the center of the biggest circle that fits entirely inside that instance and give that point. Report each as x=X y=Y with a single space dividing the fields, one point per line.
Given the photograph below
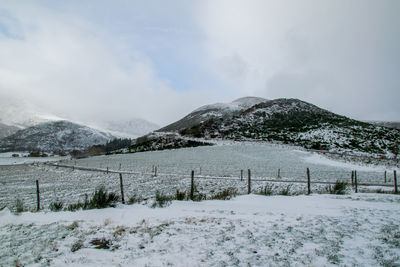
x=354 y=183
x=121 y=184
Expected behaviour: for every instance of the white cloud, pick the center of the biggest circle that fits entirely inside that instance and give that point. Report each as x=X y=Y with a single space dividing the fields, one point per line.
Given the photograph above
x=332 y=53
x=69 y=67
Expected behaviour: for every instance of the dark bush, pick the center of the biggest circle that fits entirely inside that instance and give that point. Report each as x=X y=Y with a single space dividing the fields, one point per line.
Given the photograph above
x=285 y=191
x=339 y=188
x=100 y=199
x=225 y=194
x=180 y=195
x=101 y=243
x=56 y=205
x=161 y=200
x=134 y=199
x=267 y=190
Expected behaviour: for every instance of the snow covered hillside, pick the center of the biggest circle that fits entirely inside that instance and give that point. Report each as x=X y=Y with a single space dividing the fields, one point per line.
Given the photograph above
x=250 y=230
x=218 y=110
x=293 y=121
x=7 y=130
x=130 y=128
x=54 y=136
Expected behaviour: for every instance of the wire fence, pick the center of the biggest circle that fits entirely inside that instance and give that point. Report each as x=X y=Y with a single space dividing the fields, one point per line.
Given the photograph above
x=45 y=183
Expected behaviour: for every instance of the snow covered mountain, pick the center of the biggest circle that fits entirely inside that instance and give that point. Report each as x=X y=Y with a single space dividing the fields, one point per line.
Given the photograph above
x=293 y=121
x=131 y=128
x=23 y=118
x=6 y=130
x=54 y=136
x=218 y=110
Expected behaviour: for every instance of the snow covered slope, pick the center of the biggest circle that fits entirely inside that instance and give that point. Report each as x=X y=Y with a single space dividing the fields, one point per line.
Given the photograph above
x=218 y=110
x=54 y=136
x=131 y=128
x=297 y=122
x=6 y=130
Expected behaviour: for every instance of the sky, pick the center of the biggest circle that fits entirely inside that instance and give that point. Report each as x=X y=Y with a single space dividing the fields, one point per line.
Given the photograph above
x=94 y=60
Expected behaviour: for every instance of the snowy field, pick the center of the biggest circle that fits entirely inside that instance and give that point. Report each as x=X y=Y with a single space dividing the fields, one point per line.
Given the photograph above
x=249 y=230
x=227 y=159
x=174 y=167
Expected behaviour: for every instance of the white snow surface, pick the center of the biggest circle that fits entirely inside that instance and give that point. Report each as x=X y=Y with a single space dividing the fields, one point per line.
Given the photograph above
x=238 y=104
x=322 y=160
x=132 y=128
x=249 y=230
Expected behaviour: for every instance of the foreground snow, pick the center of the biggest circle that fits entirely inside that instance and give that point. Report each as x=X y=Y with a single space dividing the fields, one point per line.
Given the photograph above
x=316 y=230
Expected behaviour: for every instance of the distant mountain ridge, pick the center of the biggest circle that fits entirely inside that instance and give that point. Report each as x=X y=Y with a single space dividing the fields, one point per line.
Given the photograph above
x=389 y=124
x=54 y=136
x=293 y=121
x=132 y=128
x=218 y=110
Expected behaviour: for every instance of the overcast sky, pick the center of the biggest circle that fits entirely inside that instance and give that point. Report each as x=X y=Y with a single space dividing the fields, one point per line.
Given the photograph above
x=104 y=60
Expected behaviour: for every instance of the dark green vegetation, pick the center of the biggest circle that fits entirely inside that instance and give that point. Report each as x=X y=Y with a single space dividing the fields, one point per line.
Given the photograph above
x=339 y=188
x=56 y=205
x=226 y=194
x=267 y=190
x=292 y=121
x=162 y=142
x=110 y=147
x=100 y=199
x=162 y=200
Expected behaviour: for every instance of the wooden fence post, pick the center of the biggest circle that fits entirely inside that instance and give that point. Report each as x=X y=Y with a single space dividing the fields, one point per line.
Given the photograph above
x=241 y=175
x=107 y=169
x=395 y=181
x=279 y=173
x=308 y=182
x=192 y=186
x=155 y=171
x=122 y=188
x=352 y=178
x=248 y=181
x=385 y=176
x=37 y=195
x=355 y=181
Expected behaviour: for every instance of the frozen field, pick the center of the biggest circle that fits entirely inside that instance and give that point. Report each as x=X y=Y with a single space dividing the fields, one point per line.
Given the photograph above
x=174 y=167
x=250 y=230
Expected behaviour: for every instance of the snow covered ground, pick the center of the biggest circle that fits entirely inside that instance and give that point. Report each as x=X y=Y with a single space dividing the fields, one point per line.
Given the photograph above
x=7 y=158
x=249 y=230
x=318 y=230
